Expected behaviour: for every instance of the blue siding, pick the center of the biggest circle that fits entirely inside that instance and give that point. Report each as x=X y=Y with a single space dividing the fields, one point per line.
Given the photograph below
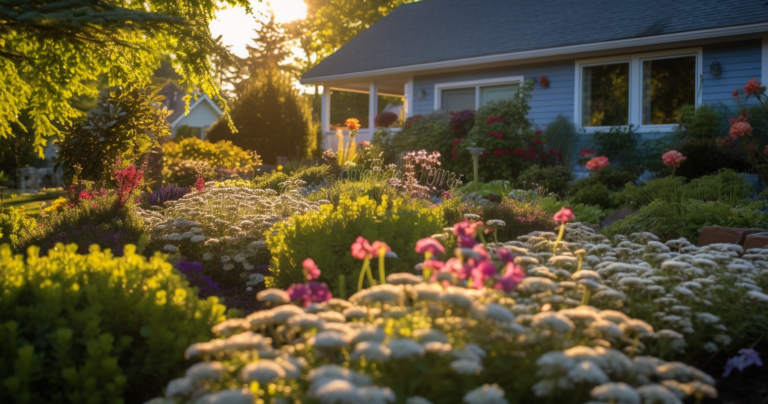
x=546 y=103
x=739 y=62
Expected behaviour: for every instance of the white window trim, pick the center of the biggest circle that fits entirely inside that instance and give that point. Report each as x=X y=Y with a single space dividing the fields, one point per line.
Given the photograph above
x=635 y=85
x=439 y=87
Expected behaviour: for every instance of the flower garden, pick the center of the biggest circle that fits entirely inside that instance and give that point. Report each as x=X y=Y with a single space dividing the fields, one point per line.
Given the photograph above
x=386 y=272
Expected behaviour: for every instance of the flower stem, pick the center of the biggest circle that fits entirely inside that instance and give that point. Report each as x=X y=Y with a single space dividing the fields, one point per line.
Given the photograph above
x=382 y=274
x=559 y=237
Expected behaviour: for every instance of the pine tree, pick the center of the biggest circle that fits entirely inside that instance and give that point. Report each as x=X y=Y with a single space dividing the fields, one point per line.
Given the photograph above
x=271 y=46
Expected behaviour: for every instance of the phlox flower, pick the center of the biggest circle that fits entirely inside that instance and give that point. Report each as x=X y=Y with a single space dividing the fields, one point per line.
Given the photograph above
x=361 y=248
x=312 y=271
x=466 y=228
x=484 y=270
x=564 y=215
x=430 y=245
x=466 y=241
x=512 y=276
x=597 y=163
x=746 y=358
x=504 y=255
x=673 y=158
x=740 y=127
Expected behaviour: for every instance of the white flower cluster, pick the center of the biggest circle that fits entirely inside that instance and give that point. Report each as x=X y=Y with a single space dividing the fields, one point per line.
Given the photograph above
x=223 y=224
x=357 y=350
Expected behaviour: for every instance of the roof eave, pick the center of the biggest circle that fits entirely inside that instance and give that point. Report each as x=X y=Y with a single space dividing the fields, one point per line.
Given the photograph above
x=549 y=52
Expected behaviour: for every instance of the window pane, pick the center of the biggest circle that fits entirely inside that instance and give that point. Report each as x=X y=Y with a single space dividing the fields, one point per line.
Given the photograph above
x=605 y=95
x=457 y=99
x=668 y=84
x=494 y=93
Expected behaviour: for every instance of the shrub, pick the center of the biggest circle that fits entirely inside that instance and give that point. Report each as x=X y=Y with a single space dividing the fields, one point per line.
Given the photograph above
x=386 y=119
x=86 y=222
x=270 y=116
x=14 y=224
x=502 y=128
x=561 y=135
x=421 y=132
x=702 y=123
x=222 y=154
x=706 y=156
x=462 y=122
x=465 y=341
x=614 y=179
x=595 y=194
x=222 y=228
x=311 y=175
x=270 y=180
x=520 y=218
x=125 y=124
x=591 y=214
x=628 y=152
x=726 y=186
x=551 y=179
x=397 y=222
x=94 y=328
x=373 y=189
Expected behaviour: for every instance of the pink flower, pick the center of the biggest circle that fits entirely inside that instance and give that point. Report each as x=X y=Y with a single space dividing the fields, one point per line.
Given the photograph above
x=752 y=86
x=313 y=272
x=587 y=153
x=200 y=184
x=299 y=292
x=466 y=241
x=454 y=266
x=429 y=244
x=740 y=128
x=466 y=228
x=673 y=158
x=597 y=163
x=484 y=270
x=431 y=264
x=94 y=206
x=504 y=255
x=306 y=294
x=84 y=194
x=377 y=246
x=513 y=275
x=564 y=215
x=361 y=248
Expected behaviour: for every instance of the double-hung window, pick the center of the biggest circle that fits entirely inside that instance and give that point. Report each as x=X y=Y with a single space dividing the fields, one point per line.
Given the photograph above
x=458 y=96
x=643 y=90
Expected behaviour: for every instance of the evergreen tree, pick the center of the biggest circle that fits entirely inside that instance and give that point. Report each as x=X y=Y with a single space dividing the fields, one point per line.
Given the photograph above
x=51 y=49
x=270 y=48
x=271 y=118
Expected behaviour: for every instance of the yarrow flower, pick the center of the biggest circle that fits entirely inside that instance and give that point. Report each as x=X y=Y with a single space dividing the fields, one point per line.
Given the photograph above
x=673 y=158
x=564 y=215
x=597 y=163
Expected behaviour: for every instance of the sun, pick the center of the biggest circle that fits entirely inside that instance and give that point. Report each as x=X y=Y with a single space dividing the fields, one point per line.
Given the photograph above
x=236 y=27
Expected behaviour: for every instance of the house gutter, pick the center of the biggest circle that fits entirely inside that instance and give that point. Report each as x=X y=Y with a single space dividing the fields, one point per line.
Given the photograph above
x=549 y=52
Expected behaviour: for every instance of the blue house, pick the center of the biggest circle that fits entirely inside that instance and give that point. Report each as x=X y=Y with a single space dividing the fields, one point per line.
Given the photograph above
x=601 y=63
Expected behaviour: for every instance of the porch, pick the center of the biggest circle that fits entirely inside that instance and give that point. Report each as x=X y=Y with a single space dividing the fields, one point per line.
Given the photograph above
x=401 y=88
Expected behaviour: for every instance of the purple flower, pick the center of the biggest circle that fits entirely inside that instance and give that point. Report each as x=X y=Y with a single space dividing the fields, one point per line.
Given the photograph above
x=306 y=294
x=166 y=194
x=512 y=276
x=299 y=292
x=484 y=270
x=504 y=255
x=467 y=241
x=746 y=358
x=319 y=292
x=193 y=271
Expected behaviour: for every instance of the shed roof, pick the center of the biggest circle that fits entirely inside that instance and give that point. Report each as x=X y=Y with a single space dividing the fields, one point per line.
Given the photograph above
x=431 y=31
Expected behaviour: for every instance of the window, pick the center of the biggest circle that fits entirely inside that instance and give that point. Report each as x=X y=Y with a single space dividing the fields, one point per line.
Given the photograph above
x=645 y=90
x=605 y=95
x=452 y=97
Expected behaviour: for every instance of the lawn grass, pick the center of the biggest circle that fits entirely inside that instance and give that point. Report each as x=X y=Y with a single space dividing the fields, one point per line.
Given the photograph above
x=30 y=202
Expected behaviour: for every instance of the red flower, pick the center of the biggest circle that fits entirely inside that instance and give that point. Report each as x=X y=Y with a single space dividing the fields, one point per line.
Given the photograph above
x=543 y=156
x=555 y=152
x=455 y=155
x=538 y=132
x=766 y=149
x=564 y=215
x=673 y=158
x=752 y=86
x=518 y=152
x=740 y=128
x=497 y=153
x=499 y=135
x=200 y=184
x=84 y=194
x=544 y=81
x=490 y=134
x=597 y=163
x=537 y=141
x=735 y=93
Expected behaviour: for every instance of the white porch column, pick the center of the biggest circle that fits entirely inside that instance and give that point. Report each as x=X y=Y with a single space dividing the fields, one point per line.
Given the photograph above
x=764 y=66
x=408 y=98
x=373 y=106
x=325 y=110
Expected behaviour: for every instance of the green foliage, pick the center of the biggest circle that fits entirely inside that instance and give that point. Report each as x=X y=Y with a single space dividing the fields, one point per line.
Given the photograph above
x=706 y=157
x=94 y=328
x=342 y=189
x=561 y=135
x=614 y=179
x=270 y=116
x=422 y=132
x=14 y=223
x=19 y=150
x=310 y=175
x=186 y=132
x=498 y=161
x=726 y=186
x=551 y=179
x=183 y=160
x=125 y=124
x=520 y=217
x=51 y=50
x=701 y=123
x=396 y=222
x=99 y=211
x=673 y=220
x=498 y=187
x=591 y=214
x=594 y=194
x=627 y=151
x=270 y=180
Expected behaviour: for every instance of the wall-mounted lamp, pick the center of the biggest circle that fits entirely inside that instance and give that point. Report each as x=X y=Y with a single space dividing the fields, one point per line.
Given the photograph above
x=422 y=94
x=714 y=69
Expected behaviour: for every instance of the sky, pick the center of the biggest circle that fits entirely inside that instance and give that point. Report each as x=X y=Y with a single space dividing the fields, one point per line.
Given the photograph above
x=236 y=27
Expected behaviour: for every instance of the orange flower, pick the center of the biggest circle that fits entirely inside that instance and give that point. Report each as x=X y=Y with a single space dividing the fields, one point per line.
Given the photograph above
x=740 y=128
x=352 y=124
x=598 y=163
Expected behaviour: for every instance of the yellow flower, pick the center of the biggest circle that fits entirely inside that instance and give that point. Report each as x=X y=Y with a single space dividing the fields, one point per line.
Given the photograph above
x=14 y=195
x=22 y=209
x=279 y=168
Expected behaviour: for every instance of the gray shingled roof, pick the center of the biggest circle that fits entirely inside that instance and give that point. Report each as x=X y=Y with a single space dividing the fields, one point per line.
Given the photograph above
x=440 y=30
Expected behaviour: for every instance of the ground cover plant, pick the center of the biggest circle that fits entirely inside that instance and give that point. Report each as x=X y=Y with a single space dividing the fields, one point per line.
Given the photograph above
x=94 y=328
x=574 y=316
